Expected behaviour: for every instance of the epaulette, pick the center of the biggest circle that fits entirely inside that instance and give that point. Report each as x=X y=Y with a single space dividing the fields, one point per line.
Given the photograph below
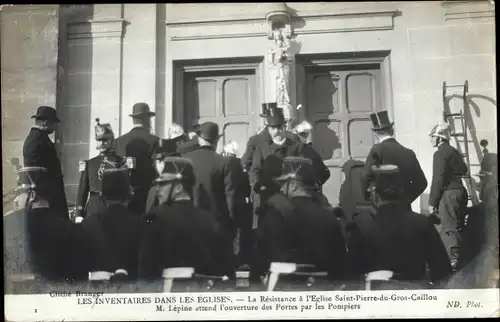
x=82 y=165
x=130 y=162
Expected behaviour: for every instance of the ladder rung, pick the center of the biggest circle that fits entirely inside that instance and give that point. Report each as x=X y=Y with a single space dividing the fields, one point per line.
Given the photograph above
x=463 y=155
x=469 y=197
x=450 y=86
x=455 y=114
x=466 y=177
x=457 y=134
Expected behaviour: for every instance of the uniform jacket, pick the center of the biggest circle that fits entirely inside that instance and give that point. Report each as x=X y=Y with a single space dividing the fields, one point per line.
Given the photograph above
x=39 y=151
x=140 y=144
x=218 y=187
x=181 y=235
x=351 y=194
x=413 y=179
x=394 y=238
x=90 y=184
x=300 y=231
x=447 y=171
x=112 y=239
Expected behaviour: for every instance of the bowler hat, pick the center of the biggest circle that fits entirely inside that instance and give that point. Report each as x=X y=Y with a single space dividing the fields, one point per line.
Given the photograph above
x=266 y=107
x=46 y=113
x=141 y=109
x=380 y=121
x=176 y=169
x=115 y=184
x=209 y=131
x=275 y=116
x=297 y=168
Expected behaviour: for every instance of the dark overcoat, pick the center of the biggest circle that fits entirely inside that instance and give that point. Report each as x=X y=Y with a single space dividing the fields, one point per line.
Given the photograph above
x=112 y=239
x=39 y=151
x=181 y=235
x=218 y=188
x=140 y=144
x=390 y=151
x=394 y=238
x=300 y=231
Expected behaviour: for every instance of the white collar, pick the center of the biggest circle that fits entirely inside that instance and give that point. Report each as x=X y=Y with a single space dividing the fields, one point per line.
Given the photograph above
x=386 y=138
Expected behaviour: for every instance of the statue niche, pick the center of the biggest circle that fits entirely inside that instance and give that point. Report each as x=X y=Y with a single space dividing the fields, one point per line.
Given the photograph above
x=280 y=61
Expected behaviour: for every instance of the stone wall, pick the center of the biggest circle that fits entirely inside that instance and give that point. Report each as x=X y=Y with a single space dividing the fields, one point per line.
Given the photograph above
x=429 y=42
x=29 y=52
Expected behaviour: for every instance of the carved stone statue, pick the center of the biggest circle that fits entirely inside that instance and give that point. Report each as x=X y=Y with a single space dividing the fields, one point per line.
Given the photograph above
x=280 y=61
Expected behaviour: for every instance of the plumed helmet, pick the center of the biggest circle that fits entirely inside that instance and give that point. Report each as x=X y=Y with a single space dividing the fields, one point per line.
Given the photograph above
x=299 y=169
x=174 y=131
x=303 y=128
x=103 y=131
x=231 y=148
x=441 y=130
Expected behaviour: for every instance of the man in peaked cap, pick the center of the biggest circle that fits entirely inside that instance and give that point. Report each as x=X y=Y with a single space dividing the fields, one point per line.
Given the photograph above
x=112 y=236
x=89 y=201
x=178 y=234
x=39 y=151
x=299 y=230
x=392 y=237
x=217 y=189
x=448 y=196
x=139 y=143
x=303 y=130
x=278 y=144
x=390 y=151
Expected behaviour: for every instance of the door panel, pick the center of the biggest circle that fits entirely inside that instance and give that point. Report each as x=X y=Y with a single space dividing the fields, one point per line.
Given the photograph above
x=226 y=98
x=339 y=102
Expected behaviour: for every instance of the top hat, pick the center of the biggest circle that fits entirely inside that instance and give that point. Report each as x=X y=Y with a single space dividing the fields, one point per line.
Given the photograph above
x=441 y=130
x=103 y=131
x=141 y=109
x=266 y=107
x=274 y=115
x=209 y=131
x=380 y=121
x=299 y=169
x=46 y=113
x=33 y=177
x=176 y=169
x=115 y=184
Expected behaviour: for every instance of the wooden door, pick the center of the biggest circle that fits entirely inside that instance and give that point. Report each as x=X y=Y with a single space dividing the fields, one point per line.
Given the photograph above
x=339 y=102
x=226 y=98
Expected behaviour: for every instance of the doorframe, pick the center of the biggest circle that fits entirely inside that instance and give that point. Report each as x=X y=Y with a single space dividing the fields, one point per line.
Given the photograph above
x=307 y=61
x=181 y=67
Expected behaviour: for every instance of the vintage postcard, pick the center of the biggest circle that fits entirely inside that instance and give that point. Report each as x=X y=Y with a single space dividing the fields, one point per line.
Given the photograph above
x=212 y=161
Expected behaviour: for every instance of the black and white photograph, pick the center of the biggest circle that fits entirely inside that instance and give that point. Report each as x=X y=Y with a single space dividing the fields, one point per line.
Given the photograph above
x=205 y=161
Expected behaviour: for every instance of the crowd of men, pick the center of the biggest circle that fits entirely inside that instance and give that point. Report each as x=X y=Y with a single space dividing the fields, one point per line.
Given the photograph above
x=145 y=204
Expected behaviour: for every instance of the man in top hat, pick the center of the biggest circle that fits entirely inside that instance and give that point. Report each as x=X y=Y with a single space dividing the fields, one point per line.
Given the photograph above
x=392 y=237
x=279 y=144
x=139 y=143
x=217 y=189
x=448 y=196
x=299 y=230
x=390 y=151
x=116 y=230
x=178 y=234
x=89 y=201
x=39 y=151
